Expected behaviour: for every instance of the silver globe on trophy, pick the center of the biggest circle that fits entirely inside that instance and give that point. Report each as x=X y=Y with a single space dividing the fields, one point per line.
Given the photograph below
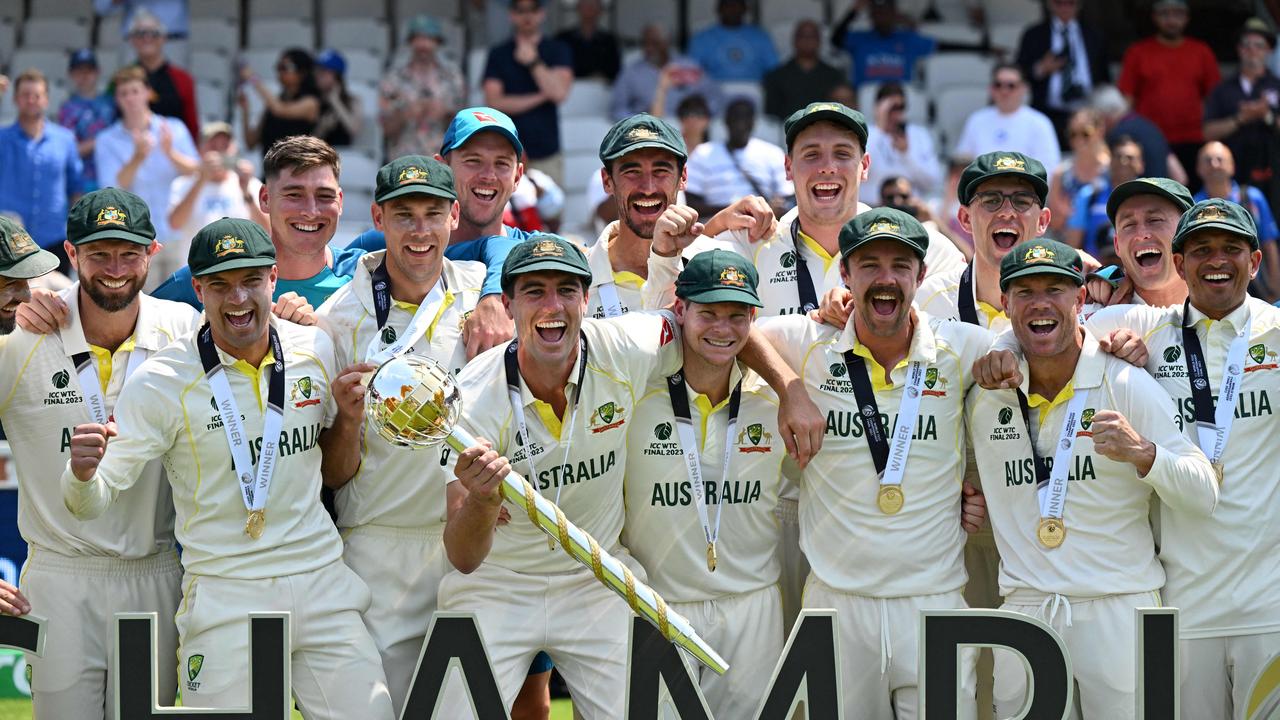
x=413 y=401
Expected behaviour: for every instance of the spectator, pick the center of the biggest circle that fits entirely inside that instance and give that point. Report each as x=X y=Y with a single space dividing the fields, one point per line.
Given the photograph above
x=1089 y=227
x=173 y=91
x=223 y=186
x=845 y=94
x=143 y=152
x=719 y=173
x=595 y=51
x=1008 y=124
x=1120 y=119
x=899 y=148
x=695 y=121
x=527 y=77
x=1065 y=61
x=418 y=99
x=1216 y=167
x=658 y=82
x=87 y=112
x=733 y=50
x=293 y=112
x=1167 y=77
x=536 y=204
x=340 y=113
x=1241 y=111
x=1088 y=165
x=172 y=14
x=805 y=78
x=889 y=51
x=897 y=192
x=41 y=177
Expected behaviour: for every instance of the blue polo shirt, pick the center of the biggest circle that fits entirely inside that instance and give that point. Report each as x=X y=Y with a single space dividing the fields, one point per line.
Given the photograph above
x=734 y=54
x=1089 y=215
x=38 y=178
x=885 y=58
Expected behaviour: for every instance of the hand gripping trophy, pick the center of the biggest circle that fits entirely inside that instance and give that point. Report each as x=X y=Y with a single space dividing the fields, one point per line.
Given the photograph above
x=414 y=402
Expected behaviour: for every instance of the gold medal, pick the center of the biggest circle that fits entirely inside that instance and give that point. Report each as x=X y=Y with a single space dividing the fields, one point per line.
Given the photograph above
x=254 y=525
x=1051 y=532
x=890 y=499
x=711 y=556
x=1217 y=470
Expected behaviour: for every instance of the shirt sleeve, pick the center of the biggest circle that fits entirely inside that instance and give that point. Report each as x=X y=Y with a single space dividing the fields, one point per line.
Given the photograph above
x=182 y=141
x=178 y=289
x=1080 y=209
x=781 y=333
x=147 y=430
x=492 y=251
x=107 y=160
x=373 y=241
x=1128 y=82
x=1181 y=474
x=1267 y=231
x=647 y=343
x=75 y=169
x=557 y=54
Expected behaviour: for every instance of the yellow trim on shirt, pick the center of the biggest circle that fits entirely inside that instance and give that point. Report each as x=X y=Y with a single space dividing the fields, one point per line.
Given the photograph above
x=552 y=423
x=104 y=356
x=705 y=409
x=878 y=374
x=413 y=309
x=628 y=279
x=817 y=249
x=992 y=312
x=1066 y=393
x=256 y=374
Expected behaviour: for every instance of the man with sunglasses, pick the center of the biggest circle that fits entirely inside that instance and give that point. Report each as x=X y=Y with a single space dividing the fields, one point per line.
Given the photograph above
x=1008 y=124
x=173 y=89
x=900 y=148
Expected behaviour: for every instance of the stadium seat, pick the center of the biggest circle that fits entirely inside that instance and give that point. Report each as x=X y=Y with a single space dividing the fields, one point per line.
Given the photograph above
x=211 y=65
x=211 y=101
x=281 y=32
x=440 y=9
x=952 y=107
x=214 y=34
x=952 y=33
x=588 y=97
x=579 y=133
x=1006 y=36
x=11 y=12
x=65 y=33
x=8 y=39
x=630 y=18
x=53 y=63
x=702 y=14
x=769 y=130
x=474 y=70
x=577 y=168
x=788 y=13
x=917 y=103
x=1020 y=12
x=109 y=61
x=751 y=90
x=261 y=60
x=214 y=9
x=373 y=9
x=363 y=66
x=78 y=9
x=261 y=9
x=359 y=169
x=955 y=69
x=110 y=34
x=349 y=33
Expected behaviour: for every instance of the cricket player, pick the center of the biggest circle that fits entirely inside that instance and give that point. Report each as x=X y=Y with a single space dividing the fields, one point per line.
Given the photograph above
x=1145 y=213
x=79 y=574
x=888 y=480
x=406 y=299
x=237 y=410
x=704 y=528
x=1069 y=462
x=564 y=393
x=1216 y=355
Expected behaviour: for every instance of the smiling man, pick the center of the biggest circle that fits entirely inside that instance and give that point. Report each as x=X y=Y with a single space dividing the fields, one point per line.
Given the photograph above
x=1145 y=213
x=79 y=574
x=1215 y=354
x=390 y=505
x=238 y=411
x=1078 y=555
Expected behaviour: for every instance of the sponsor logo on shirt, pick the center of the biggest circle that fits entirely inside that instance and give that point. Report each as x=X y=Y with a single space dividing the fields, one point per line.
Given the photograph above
x=60 y=395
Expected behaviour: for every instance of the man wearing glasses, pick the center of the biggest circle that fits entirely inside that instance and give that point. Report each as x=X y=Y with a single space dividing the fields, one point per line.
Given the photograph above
x=173 y=91
x=1008 y=124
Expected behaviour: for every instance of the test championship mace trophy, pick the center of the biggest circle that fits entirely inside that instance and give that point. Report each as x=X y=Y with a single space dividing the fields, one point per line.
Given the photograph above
x=414 y=402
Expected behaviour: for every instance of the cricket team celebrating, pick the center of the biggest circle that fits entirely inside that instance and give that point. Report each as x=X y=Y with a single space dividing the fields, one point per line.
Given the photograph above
x=833 y=409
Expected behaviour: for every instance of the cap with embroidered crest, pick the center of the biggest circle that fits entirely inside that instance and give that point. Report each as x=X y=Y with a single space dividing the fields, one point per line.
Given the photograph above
x=414 y=175
x=229 y=244
x=1041 y=256
x=1216 y=214
x=545 y=252
x=884 y=223
x=20 y=257
x=831 y=112
x=719 y=276
x=110 y=214
x=1171 y=190
x=641 y=131
x=472 y=120
x=1000 y=163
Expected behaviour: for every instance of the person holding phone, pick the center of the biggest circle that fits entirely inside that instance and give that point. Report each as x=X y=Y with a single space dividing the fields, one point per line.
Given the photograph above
x=223 y=186
x=900 y=149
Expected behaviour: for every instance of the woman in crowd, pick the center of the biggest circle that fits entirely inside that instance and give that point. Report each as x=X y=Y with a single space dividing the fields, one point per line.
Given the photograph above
x=340 y=113
x=294 y=111
x=1087 y=165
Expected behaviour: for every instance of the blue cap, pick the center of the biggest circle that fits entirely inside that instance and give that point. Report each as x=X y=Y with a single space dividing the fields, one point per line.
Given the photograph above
x=426 y=26
x=474 y=119
x=332 y=60
x=83 y=56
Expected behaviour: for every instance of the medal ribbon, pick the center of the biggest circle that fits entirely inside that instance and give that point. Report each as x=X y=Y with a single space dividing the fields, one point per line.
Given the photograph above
x=517 y=406
x=255 y=483
x=91 y=384
x=964 y=300
x=1051 y=486
x=804 y=281
x=890 y=462
x=1213 y=425
x=689 y=444
x=428 y=310
x=609 y=300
